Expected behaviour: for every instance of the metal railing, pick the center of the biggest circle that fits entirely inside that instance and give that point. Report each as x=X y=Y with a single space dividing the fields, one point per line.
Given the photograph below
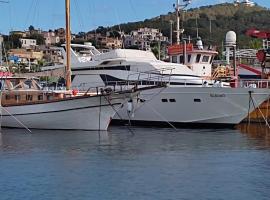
x=137 y=79
x=154 y=78
x=254 y=83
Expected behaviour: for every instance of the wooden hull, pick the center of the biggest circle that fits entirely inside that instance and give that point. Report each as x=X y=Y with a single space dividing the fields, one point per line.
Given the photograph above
x=260 y=114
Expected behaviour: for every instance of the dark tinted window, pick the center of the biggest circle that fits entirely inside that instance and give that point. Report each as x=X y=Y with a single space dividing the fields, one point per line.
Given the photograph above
x=189 y=58
x=205 y=59
x=198 y=58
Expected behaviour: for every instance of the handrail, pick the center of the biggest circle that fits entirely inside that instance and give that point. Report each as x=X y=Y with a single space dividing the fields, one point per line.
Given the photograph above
x=155 y=80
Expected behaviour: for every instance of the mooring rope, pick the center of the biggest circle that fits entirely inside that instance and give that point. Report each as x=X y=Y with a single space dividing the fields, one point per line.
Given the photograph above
x=17 y=120
x=254 y=104
x=117 y=113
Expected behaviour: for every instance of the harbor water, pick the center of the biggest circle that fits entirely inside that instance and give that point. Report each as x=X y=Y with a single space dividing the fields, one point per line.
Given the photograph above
x=145 y=163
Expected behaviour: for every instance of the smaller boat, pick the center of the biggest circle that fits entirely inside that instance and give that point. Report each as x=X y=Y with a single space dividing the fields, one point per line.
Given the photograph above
x=25 y=104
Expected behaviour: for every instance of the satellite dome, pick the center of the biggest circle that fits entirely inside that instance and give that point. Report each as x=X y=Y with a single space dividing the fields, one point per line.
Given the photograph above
x=230 y=38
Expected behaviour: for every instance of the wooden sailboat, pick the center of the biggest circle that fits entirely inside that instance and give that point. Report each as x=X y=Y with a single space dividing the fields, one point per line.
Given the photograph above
x=24 y=103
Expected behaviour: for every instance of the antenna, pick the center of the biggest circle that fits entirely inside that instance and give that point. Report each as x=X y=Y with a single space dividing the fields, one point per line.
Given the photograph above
x=178 y=7
x=197 y=28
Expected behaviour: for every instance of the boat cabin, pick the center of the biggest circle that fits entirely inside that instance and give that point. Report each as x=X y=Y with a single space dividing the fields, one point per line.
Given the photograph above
x=18 y=91
x=196 y=57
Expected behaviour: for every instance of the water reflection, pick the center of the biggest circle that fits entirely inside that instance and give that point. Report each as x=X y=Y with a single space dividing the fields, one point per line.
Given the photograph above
x=256 y=131
x=151 y=163
x=143 y=140
x=52 y=140
x=1 y=143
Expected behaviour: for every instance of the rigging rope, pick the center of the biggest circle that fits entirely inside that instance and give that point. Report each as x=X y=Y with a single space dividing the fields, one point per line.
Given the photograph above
x=118 y=114
x=1 y=107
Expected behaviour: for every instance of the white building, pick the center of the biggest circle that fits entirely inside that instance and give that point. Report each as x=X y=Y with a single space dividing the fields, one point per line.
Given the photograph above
x=143 y=37
x=248 y=3
x=148 y=33
x=28 y=43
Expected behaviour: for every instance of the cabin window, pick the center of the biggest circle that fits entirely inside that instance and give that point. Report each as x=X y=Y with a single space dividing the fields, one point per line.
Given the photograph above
x=181 y=59
x=197 y=100
x=164 y=100
x=40 y=97
x=7 y=97
x=172 y=100
x=205 y=59
x=189 y=58
x=17 y=97
x=29 y=97
x=198 y=58
x=174 y=59
x=49 y=97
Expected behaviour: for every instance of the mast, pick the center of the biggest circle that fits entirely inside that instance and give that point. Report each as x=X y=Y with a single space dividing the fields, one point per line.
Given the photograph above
x=178 y=9
x=1 y=50
x=177 y=22
x=68 y=40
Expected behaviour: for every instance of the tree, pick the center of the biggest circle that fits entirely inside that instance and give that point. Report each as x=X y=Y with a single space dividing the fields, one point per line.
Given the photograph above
x=31 y=28
x=40 y=39
x=14 y=41
x=101 y=30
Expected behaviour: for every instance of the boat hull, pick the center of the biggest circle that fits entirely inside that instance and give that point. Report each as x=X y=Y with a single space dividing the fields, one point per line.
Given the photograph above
x=191 y=105
x=83 y=113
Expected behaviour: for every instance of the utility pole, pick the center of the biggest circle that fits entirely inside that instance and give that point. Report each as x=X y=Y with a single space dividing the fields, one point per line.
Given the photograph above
x=1 y=50
x=171 y=32
x=1 y=40
x=197 y=28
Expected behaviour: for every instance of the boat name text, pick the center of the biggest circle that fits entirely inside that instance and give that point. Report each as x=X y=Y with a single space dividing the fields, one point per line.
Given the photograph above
x=217 y=95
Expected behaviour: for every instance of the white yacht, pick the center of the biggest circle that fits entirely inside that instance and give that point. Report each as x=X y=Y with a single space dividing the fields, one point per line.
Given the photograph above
x=187 y=99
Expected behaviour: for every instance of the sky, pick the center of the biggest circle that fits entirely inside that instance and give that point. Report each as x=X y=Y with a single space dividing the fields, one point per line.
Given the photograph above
x=87 y=14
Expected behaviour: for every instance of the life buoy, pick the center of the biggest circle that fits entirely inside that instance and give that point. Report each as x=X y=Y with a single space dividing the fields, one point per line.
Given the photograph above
x=75 y=92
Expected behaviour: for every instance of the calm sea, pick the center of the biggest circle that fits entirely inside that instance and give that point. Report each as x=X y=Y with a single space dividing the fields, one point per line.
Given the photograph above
x=147 y=163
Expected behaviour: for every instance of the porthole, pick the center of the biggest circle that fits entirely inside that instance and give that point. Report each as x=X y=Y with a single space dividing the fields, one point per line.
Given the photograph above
x=197 y=100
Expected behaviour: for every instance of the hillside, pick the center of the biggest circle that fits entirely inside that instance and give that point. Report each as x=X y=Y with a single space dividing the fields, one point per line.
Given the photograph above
x=223 y=17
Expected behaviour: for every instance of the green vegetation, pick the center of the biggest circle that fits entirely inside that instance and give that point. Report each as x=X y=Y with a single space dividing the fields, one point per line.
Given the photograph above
x=223 y=17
